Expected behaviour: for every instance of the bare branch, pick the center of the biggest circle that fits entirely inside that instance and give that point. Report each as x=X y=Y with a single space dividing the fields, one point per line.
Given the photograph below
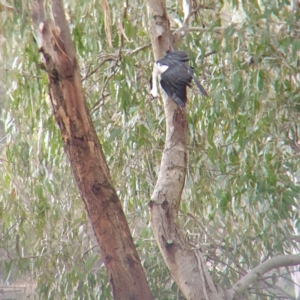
x=260 y=270
x=108 y=58
x=9 y=229
x=296 y=238
x=278 y=291
x=132 y=52
x=201 y=29
x=210 y=53
x=185 y=27
x=107 y=22
x=121 y=22
x=188 y=12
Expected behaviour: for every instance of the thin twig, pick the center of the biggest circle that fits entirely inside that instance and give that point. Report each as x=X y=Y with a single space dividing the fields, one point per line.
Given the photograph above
x=132 y=52
x=108 y=58
x=210 y=53
x=200 y=262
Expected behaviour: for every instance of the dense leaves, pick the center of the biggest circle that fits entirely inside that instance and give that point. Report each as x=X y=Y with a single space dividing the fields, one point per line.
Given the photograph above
x=241 y=197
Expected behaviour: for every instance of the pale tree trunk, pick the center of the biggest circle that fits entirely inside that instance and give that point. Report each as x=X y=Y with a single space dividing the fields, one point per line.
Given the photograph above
x=186 y=265
x=125 y=273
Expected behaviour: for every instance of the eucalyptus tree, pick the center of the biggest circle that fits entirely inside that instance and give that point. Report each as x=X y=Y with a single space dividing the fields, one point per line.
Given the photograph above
x=224 y=198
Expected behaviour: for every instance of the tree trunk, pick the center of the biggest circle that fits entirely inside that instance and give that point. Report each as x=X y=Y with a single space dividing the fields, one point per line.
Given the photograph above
x=186 y=265
x=125 y=273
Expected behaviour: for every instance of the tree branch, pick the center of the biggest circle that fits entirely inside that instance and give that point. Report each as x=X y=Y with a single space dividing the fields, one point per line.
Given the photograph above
x=260 y=270
x=201 y=29
x=184 y=29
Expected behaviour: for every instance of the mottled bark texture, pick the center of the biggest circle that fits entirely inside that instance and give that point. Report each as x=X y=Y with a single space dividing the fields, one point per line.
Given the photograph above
x=186 y=265
x=125 y=273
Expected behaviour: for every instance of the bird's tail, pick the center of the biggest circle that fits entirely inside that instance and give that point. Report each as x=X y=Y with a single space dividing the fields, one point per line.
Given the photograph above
x=200 y=87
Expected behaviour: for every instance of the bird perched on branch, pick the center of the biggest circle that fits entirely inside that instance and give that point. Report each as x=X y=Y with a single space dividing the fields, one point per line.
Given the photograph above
x=175 y=75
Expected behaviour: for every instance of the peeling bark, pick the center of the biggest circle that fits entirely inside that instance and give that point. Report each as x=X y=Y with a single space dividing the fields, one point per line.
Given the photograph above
x=186 y=265
x=125 y=273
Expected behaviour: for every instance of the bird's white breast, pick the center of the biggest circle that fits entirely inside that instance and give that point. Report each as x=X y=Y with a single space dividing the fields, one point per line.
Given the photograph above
x=161 y=68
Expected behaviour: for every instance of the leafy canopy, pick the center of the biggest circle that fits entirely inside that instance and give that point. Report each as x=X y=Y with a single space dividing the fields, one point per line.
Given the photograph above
x=240 y=200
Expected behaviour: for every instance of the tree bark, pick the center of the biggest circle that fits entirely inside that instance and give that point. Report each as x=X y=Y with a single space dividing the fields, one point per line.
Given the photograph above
x=186 y=265
x=260 y=270
x=125 y=273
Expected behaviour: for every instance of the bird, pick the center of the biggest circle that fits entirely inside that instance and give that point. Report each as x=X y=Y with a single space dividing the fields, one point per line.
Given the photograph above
x=175 y=75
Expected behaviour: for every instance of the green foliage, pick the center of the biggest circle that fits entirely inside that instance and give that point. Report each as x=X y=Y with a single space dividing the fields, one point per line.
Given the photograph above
x=243 y=169
x=247 y=190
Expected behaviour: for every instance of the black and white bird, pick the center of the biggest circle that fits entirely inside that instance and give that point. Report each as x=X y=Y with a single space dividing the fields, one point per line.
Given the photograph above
x=175 y=75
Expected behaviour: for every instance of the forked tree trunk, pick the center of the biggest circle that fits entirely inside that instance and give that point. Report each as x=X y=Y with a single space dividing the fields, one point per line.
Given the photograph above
x=125 y=273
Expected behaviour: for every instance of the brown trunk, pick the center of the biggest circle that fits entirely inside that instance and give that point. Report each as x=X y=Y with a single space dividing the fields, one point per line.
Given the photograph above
x=125 y=273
